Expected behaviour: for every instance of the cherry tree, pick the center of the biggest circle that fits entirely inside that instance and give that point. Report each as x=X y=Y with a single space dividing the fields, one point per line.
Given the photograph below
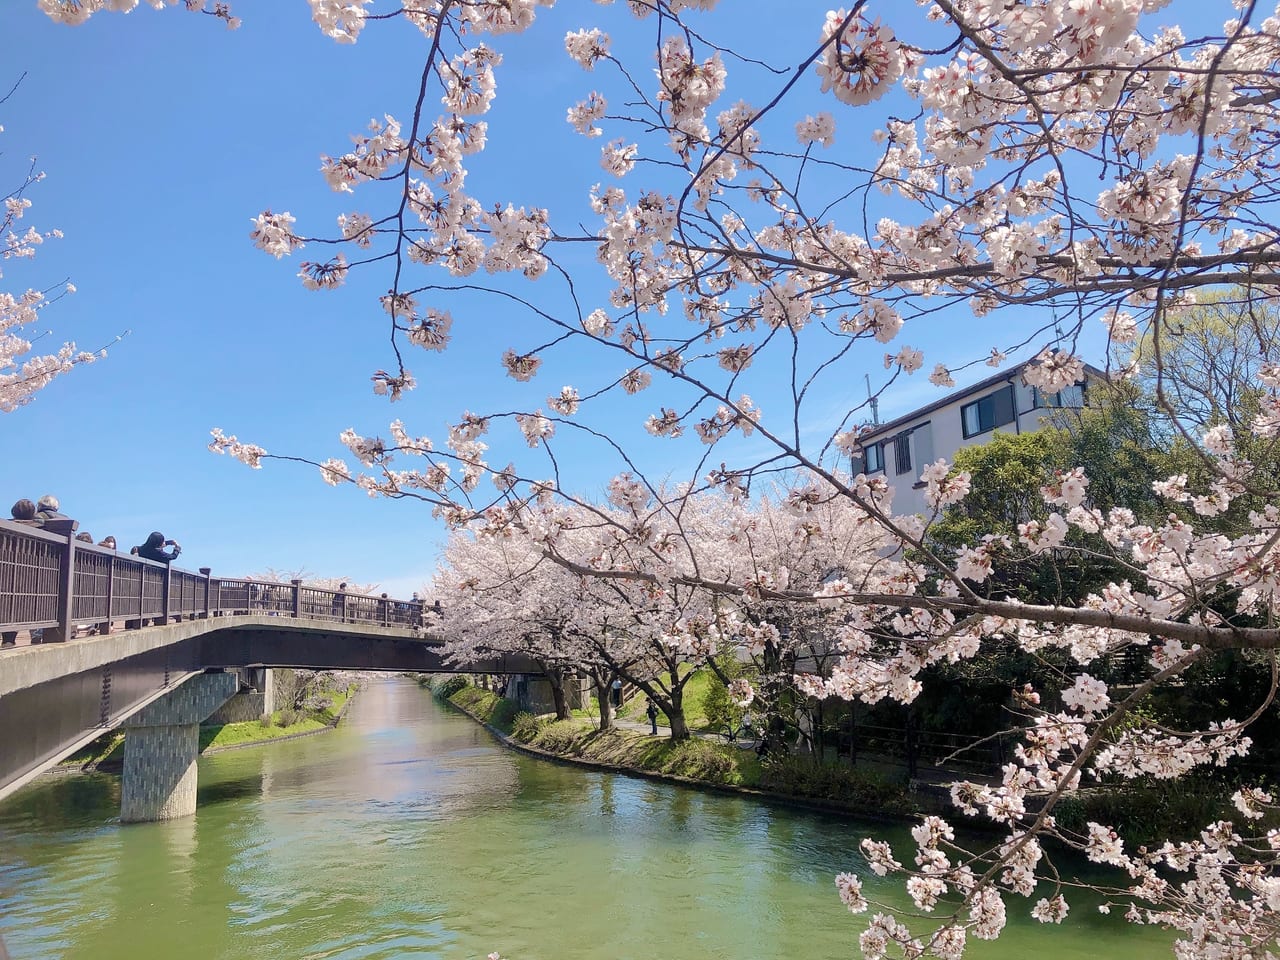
x=1026 y=172
x=500 y=595
x=794 y=538
x=501 y=592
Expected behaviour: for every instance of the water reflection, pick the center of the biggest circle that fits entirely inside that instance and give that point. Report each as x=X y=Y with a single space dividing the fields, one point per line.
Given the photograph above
x=408 y=833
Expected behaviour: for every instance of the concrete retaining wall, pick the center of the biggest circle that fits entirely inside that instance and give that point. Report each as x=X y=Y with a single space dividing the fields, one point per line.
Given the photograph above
x=241 y=708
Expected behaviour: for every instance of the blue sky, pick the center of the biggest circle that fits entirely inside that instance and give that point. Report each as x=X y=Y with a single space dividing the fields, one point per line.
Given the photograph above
x=162 y=134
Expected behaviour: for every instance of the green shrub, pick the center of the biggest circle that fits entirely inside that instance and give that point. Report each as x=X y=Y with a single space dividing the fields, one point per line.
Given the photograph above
x=700 y=760
x=503 y=713
x=289 y=716
x=561 y=736
x=721 y=713
x=446 y=687
x=1069 y=814
x=804 y=777
x=1144 y=812
x=266 y=720
x=487 y=705
x=526 y=727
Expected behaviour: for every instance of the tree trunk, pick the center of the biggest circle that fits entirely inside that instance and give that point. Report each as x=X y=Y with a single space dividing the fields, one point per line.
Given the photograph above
x=679 y=727
x=555 y=677
x=602 y=701
x=773 y=738
x=675 y=715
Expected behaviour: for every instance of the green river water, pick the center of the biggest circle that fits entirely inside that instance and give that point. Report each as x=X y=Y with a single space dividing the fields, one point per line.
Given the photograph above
x=409 y=833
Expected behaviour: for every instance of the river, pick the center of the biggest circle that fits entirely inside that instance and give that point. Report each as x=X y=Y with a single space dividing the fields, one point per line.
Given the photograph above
x=409 y=833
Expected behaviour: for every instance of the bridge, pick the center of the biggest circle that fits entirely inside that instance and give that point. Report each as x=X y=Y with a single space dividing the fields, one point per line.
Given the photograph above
x=110 y=640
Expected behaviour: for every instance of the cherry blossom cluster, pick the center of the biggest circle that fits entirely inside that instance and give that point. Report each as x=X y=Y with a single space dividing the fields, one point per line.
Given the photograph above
x=75 y=12
x=23 y=374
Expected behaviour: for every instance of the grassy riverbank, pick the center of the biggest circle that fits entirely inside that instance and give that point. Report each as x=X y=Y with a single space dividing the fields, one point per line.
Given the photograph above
x=695 y=762
x=280 y=725
x=694 y=759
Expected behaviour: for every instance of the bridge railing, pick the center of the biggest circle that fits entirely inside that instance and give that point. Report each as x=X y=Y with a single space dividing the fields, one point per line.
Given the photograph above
x=54 y=585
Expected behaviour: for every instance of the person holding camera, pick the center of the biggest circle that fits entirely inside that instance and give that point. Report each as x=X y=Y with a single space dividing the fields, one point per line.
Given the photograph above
x=153 y=549
x=651 y=711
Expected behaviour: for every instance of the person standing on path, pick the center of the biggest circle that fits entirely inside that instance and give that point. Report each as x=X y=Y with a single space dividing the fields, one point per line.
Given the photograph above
x=651 y=711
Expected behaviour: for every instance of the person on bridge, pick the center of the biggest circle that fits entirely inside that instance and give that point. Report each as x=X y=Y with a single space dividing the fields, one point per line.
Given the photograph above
x=24 y=511
x=51 y=519
x=48 y=509
x=153 y=549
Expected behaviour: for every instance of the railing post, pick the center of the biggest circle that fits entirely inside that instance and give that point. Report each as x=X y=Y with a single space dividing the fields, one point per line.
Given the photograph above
x=105 y=626
x=165 y=593
x=66 y=594
x=142 y=592
x=297 y=599
x=208 y=608
x=386 y=611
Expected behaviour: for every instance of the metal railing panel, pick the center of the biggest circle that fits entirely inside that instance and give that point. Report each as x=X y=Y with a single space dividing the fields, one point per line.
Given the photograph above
x=273 y=599
x=92 y=597
x=318 y=604
x=30 y=566
x=152 y=591
x=186 y=593
x=362 y=609
x=230 y=596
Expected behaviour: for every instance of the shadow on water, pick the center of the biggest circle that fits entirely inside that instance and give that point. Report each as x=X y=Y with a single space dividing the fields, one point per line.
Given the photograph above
x=63 y=801
x=226 y=791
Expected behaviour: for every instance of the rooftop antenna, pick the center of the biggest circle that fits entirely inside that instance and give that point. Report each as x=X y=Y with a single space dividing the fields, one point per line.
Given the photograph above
x=875 y=404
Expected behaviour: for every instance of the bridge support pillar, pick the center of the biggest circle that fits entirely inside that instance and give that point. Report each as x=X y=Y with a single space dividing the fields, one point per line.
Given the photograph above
x=161 y=744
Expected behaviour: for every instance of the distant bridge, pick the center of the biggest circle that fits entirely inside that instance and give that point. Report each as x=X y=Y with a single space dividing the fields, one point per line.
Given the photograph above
x=111 y=639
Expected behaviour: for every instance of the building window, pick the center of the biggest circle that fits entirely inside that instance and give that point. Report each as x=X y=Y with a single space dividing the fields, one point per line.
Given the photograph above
x=993 y=410
x=902 y=453
x=1071 y=398
x=873 y=458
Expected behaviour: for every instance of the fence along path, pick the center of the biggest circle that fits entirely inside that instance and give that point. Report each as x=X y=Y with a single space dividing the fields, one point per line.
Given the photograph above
x=54 y=587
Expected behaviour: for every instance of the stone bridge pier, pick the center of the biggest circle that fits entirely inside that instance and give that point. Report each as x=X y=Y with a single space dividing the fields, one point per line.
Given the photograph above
x=162 y=742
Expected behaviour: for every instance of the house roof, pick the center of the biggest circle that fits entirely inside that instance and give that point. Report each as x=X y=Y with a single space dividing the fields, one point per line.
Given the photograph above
x=1005 y=376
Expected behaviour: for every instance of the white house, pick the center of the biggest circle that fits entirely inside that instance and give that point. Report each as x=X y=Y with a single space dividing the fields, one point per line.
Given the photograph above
x=904 y=446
